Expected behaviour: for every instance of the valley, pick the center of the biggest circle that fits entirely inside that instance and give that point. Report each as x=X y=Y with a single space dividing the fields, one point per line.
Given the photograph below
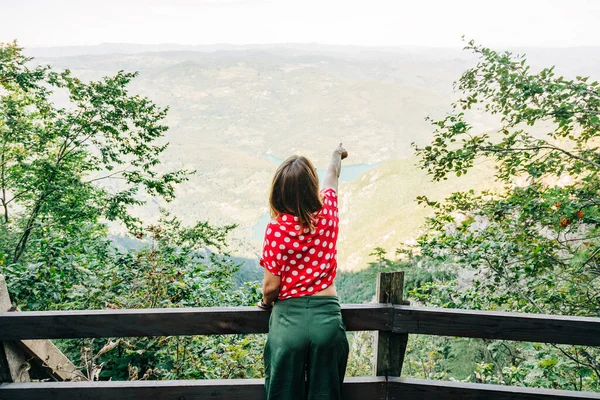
x=236 y=112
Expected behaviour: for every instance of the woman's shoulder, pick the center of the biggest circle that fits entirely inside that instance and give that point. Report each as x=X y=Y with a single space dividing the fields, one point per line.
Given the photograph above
x=284 y=222
x=329 y=196
x=329 y=191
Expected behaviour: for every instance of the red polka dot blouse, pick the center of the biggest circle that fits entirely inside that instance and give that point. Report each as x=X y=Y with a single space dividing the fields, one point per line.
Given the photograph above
x=305 y=260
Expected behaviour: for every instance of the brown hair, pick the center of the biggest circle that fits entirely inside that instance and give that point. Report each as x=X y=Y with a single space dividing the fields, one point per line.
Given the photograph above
x=295 y=190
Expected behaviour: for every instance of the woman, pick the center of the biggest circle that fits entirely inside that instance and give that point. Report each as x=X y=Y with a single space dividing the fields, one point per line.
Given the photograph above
x=307 y=349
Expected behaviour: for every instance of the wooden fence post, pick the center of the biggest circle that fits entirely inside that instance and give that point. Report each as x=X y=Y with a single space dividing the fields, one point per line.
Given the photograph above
x=390 y=346
x=13 y=363
x=38 y=359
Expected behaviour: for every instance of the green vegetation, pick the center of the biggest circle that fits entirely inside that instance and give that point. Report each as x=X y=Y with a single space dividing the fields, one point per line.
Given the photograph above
x=527 y=244
x=53 y=160
x=532 y=245
x=359 y=287
x=520 y=234
x=55 y=251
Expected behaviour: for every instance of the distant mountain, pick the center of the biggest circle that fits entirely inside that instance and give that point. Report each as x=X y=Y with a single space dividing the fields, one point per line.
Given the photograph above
x=136 y=48
x=232 y=105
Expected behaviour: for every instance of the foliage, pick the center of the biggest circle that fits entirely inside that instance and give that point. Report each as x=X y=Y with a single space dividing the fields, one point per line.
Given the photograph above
x=64 y=172
x=379 y=253
x=360 y=287
x=178 y=267
x=55 y=161
x=534 y=245
x=361 y=357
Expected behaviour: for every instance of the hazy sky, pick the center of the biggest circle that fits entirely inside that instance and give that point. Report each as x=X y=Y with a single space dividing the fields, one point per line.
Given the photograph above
x=364 y=22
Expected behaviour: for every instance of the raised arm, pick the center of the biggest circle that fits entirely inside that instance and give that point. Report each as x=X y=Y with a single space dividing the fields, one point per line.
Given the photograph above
x=335 y=167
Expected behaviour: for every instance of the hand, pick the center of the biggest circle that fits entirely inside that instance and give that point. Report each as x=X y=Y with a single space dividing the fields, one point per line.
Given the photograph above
x=263 y=305
x=341 y=151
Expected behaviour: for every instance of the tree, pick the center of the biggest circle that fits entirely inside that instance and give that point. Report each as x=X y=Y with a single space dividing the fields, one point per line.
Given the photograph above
x=64 y=172
x=181 y=266
x=379 y=253
x=55 y=161
x=535 y=244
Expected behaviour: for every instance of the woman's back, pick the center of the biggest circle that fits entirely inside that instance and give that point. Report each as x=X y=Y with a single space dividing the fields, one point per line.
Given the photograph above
x=305 y=259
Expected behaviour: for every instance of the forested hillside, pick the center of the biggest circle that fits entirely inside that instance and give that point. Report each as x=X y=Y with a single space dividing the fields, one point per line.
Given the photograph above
x=232 y=106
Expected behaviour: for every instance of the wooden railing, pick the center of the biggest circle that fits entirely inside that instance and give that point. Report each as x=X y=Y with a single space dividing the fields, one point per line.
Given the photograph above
x=392 y=320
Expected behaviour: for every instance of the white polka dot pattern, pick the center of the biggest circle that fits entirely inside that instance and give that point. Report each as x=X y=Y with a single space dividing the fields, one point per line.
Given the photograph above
x=287 y=241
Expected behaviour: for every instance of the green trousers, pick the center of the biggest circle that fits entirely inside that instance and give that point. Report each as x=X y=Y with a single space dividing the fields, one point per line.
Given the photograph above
x=307 y=349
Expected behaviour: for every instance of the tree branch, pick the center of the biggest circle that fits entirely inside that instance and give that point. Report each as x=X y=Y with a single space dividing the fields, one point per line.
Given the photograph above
x=106 y=176
x=533 y=148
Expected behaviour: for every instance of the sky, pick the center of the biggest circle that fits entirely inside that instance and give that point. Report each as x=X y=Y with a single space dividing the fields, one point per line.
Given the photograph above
x=438 y=23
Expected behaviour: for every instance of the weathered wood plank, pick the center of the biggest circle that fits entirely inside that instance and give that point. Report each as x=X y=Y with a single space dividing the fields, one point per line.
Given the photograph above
x=13 y=363
x=5 y=303
x=168 y=322
x=389 y=355
x=230 y=389
x=498 y=325
x=35 y=352
x=201 y=321
x=365 y=388
x=53 y=361
x=407 y=389
x=4 y=367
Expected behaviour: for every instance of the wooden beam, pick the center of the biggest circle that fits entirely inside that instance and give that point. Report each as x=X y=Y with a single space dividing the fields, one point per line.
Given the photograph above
x=391 y=346
x=407 y=389
x=203 y=321
x=364 y=388
x=4 y=366
x=228 y=389
x=42 y=352
x=54 y=362
x=498 y=325
x=13 y=363
x=168 y=322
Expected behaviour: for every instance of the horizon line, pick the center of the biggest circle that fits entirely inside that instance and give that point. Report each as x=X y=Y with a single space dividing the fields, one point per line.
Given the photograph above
x=316 y=44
